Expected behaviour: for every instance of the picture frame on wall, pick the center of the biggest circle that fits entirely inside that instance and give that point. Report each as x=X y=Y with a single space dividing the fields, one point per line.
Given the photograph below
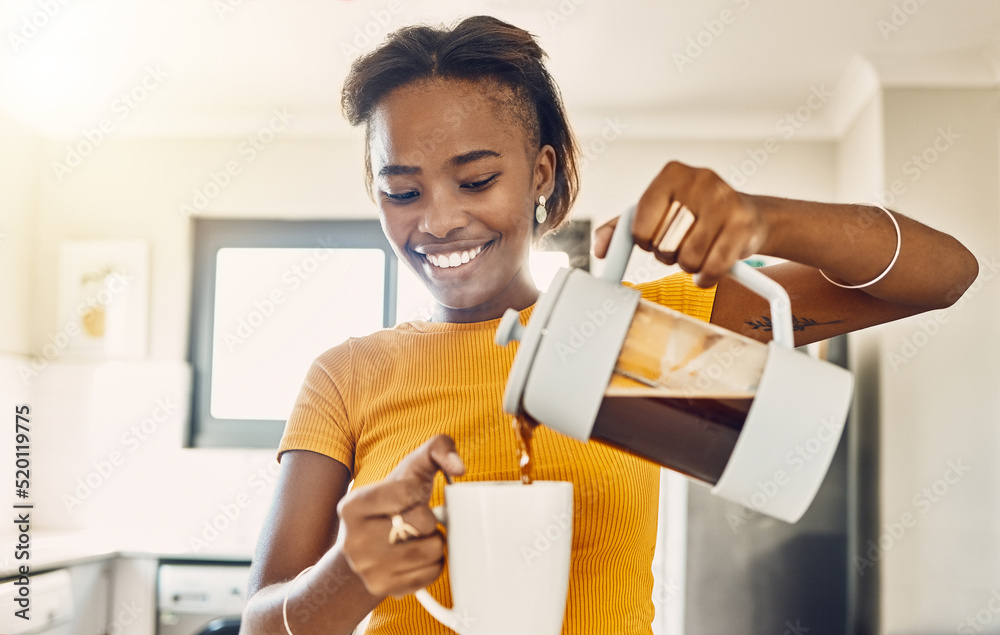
x=103 y=298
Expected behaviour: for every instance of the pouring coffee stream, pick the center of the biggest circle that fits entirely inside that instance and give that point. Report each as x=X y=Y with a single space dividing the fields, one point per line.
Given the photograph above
x=525 y=430
x=597 y=362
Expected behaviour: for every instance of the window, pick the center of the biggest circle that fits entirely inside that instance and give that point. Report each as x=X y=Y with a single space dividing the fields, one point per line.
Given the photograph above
x=269 y=296
x=272 y=305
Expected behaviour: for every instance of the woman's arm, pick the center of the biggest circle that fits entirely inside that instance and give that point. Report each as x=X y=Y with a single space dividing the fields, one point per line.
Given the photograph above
x=301 y=530
x=852 y=244
x=347 y=580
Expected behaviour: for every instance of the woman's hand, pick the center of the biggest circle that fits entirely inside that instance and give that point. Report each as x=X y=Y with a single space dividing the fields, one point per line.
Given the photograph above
x=401 y=568
x=727 y=225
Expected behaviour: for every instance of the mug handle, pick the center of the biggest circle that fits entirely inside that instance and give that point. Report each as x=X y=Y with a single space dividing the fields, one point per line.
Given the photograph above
x=449 y=617
x=620 y=249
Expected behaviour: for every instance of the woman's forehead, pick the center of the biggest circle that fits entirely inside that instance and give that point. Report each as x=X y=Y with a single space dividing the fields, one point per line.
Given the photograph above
x=440 y=119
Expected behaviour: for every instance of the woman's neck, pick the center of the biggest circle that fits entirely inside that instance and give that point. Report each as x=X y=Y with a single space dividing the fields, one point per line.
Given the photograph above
x=519 y=295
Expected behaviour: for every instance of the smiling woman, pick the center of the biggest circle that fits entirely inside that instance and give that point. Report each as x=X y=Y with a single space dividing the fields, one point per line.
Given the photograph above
x=470 y=159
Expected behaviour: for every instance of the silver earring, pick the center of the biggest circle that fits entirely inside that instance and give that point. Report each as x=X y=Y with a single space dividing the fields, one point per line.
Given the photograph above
x=540 y=212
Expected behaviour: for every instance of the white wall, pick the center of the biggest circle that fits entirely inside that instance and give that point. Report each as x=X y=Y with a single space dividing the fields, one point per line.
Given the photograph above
x=18 y=191
x=940 y=372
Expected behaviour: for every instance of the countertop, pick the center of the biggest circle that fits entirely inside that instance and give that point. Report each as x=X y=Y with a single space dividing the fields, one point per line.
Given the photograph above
x=53 y=549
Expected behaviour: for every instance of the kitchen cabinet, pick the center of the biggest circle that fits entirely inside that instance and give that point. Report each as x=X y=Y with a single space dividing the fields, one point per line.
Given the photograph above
x=91 y=585
x=133 y=597
x=80 y=586
x=70 y=600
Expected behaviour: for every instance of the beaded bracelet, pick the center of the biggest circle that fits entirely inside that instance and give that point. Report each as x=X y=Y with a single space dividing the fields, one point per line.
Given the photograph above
x=895 y=256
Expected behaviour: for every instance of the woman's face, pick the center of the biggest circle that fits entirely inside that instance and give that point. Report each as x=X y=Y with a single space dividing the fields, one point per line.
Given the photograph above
x=456 y=186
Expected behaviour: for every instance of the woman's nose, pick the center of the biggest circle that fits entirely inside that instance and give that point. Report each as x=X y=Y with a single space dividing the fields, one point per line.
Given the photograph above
x=441 y=216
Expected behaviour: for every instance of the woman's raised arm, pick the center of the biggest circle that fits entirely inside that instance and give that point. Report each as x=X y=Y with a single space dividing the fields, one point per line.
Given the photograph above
x=898 y=266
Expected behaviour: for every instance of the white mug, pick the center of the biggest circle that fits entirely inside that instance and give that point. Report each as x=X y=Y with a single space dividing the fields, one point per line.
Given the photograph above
x=509 y=547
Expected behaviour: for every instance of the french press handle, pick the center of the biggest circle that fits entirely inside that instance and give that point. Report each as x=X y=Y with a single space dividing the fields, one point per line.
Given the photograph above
x=620 y=250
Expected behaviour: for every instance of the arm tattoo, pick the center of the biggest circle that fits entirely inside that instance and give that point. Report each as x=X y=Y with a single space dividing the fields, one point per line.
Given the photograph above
x=798 y=324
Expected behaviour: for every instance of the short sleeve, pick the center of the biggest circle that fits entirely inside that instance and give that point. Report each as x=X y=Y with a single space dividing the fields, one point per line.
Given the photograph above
x=320 y=419
x=679 y=292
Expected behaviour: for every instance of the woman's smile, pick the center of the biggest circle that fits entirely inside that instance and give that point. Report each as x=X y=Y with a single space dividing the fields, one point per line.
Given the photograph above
x=450 y=256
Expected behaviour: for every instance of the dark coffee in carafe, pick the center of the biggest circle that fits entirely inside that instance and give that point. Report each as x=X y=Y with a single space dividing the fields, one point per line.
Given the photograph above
x=691 y=435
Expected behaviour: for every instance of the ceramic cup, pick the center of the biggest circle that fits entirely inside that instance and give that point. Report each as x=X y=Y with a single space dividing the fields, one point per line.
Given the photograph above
x=509 y=547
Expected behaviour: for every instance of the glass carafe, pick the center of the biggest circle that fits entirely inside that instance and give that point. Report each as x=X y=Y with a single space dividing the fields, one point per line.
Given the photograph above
x=597 y=362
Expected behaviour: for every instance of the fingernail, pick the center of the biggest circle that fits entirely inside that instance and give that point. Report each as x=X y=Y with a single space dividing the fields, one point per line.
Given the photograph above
x=455 y=463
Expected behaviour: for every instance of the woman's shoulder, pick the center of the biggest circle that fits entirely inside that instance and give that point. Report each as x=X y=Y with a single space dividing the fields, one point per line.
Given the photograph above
x=341 y=354
x=380 y=344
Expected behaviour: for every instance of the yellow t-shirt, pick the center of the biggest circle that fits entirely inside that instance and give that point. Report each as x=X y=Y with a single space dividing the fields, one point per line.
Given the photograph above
x=371 y=400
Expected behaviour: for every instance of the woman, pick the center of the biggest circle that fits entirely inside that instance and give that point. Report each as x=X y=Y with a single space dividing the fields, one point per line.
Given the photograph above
x=470 y=159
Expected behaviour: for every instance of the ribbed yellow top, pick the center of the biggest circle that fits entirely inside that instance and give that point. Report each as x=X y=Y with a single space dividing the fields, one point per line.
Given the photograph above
x=371 y=400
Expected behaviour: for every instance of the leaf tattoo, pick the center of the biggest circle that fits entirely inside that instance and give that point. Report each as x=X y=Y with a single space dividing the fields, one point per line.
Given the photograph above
x=798 y=324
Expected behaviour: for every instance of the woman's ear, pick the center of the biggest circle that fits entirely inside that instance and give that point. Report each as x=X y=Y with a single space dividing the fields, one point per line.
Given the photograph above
x=545 y=171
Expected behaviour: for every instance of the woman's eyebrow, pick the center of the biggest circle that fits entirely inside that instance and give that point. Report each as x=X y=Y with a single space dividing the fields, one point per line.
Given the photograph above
x=456 y=161
x=398 y=170
x=474 y=155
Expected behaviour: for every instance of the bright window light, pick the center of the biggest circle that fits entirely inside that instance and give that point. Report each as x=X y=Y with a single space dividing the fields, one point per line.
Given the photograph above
x=275 y=311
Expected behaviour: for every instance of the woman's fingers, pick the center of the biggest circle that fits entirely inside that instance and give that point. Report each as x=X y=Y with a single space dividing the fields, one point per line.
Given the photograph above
x=422 y=464
x=724 y=251
x=656 y=205
x=738 y=239
x=412 y=565
x=691 y=217
x=420 y=553
x=411 y=482
x=699 y=240
x=422 y=519
x=390 y=534
x=384 y=499
x=376 y=558
x=406 y=582
x=602 y=237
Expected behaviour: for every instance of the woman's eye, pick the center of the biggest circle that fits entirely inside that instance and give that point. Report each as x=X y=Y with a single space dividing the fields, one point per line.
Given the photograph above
x=478 y=185
x=402 y=196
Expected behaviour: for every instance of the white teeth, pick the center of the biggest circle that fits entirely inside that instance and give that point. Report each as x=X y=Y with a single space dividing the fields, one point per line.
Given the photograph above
x=456 y=259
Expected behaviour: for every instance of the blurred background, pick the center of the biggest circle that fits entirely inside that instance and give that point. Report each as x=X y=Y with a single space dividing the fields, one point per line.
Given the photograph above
x=180 y=199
